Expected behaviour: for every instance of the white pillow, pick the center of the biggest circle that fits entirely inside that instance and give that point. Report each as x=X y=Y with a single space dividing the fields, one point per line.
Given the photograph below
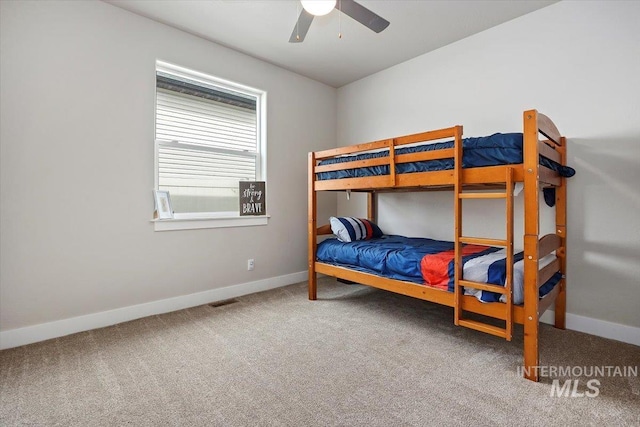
x=349 y=229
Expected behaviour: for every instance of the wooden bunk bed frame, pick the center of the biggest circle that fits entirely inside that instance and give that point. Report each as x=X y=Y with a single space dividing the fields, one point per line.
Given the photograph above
x=490 y=178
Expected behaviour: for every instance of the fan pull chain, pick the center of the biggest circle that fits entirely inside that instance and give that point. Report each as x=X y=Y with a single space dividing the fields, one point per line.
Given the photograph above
x=339 y=19
x=297 y=21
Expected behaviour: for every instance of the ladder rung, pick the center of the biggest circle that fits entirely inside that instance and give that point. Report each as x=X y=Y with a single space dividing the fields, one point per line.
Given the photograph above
x=482 y=195
x=483 y=241
x=483 y=286
x=483 y=327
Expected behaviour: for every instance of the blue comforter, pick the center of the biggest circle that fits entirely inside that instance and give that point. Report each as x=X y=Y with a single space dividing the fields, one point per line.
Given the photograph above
x=412 y=259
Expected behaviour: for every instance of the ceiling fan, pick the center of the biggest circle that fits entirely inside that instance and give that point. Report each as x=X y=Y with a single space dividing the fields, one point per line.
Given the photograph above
x=312 y=8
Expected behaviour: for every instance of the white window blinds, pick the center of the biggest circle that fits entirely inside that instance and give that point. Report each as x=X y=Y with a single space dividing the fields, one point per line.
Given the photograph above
x=207 y=141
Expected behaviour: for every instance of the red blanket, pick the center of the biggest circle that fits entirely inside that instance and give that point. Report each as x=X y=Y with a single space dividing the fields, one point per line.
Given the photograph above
x=437 y=269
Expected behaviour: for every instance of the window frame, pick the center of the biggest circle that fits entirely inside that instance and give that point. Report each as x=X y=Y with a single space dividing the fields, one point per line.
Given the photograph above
x=198 y=220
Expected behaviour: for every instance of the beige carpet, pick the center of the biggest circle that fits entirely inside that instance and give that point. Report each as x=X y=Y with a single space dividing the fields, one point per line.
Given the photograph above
x=356 y=357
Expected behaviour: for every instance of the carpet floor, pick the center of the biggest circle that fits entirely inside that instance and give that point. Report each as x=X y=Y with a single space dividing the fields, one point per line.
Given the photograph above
x=356 y=357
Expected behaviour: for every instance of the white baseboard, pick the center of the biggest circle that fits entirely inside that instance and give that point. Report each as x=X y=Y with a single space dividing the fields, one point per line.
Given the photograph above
x=59 y=328
x=601 y=328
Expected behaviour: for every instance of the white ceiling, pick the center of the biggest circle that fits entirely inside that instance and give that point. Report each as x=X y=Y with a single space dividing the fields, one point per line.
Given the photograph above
x=261 y=28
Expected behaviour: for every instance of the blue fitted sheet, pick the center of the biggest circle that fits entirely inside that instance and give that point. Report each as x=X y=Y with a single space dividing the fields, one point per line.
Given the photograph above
x=494 y=150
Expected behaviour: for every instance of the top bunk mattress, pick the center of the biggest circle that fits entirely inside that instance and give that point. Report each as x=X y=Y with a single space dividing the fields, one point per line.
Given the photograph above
x=494 y=150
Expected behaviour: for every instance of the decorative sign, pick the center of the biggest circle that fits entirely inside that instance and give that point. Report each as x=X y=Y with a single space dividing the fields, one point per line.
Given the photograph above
x=253 y=198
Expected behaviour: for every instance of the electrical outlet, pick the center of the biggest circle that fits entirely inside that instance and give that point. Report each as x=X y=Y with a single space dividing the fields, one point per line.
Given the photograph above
x=250 y=264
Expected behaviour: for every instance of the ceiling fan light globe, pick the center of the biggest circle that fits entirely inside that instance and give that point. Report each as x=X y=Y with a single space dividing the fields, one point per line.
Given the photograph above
x=318 y=7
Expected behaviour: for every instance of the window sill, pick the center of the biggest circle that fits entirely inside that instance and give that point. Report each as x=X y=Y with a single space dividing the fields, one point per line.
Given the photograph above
x=198 y=223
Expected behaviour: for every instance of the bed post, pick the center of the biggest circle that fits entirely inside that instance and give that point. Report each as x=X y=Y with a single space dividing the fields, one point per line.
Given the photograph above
x=457 y=225
x=531 y=233
x=561 y=231
x=372 y=206
x=312 y=229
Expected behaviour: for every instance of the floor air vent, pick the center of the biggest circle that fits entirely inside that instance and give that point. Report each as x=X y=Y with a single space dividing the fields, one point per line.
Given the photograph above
x=223 y=303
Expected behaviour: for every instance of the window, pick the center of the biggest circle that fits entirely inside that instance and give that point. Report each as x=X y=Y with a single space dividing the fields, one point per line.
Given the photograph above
x=209 y=136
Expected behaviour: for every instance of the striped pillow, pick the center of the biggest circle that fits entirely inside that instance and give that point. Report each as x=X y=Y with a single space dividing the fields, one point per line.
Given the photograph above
x=349 y=229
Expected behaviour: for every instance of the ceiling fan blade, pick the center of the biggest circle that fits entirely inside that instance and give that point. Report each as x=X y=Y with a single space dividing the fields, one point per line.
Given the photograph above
x=302 y=26
x=363 y=15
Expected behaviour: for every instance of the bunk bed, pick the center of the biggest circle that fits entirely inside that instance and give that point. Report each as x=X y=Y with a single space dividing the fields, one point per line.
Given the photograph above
x=404 y=164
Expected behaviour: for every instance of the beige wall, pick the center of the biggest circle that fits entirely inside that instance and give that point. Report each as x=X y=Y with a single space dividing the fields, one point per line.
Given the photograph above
x=77 y=131
x=577 y=62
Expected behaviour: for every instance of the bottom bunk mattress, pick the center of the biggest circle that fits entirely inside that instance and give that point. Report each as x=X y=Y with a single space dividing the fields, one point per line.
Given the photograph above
x=431 y=262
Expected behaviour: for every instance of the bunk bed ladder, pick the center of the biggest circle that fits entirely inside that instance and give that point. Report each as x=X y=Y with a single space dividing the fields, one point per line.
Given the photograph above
x=507 y=243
